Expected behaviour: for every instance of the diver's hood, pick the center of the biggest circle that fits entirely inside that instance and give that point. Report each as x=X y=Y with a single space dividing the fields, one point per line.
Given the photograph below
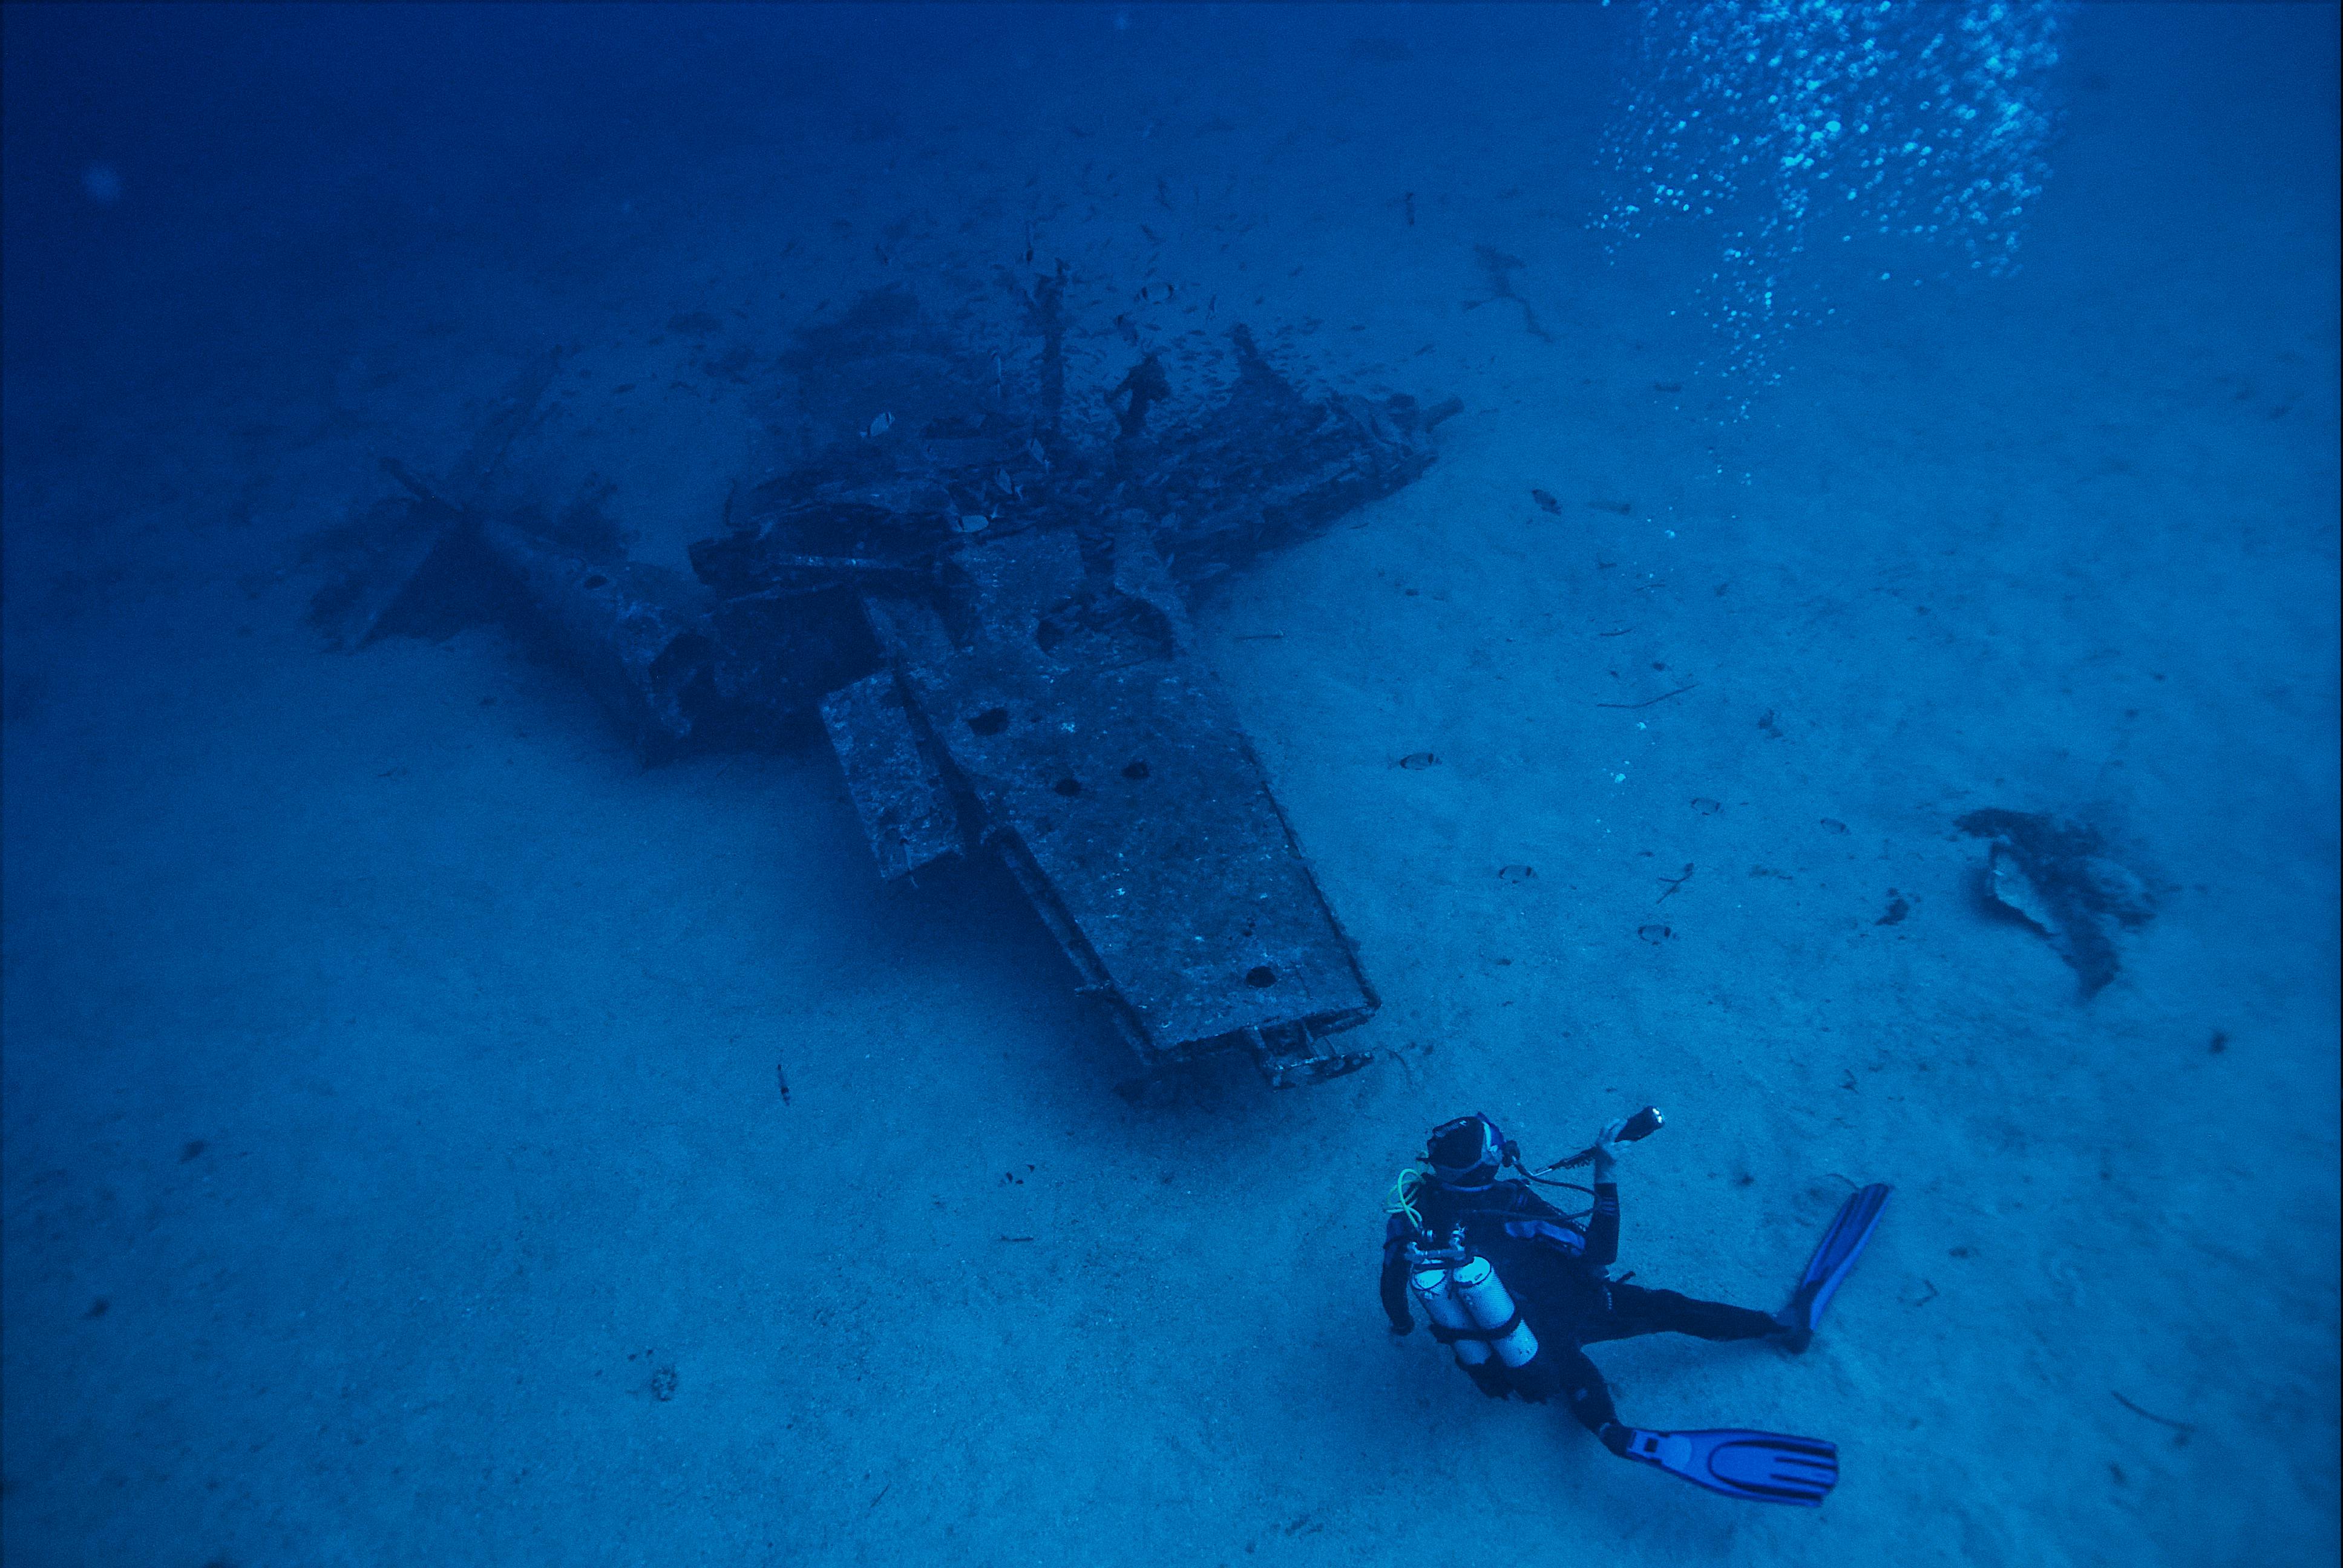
x=1468 y=1152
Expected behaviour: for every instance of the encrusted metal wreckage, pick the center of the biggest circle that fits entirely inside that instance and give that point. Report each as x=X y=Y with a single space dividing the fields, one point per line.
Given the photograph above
x=988 y=608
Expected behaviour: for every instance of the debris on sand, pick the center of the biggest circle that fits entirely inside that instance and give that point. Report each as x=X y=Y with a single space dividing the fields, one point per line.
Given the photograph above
x=2056 y=876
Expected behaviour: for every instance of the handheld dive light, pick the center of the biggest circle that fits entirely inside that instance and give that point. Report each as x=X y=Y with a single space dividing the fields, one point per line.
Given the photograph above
x=1643 y=1124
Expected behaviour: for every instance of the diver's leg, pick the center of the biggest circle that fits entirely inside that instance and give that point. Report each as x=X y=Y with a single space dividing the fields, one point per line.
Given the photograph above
x=1589 y=1397
x=1581 y=1385
x=1636 y=1311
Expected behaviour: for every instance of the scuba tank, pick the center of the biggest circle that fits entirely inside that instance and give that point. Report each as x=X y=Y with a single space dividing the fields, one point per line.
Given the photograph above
x=1469 y=1305
x=1474 y=1284
x=1430 y=1287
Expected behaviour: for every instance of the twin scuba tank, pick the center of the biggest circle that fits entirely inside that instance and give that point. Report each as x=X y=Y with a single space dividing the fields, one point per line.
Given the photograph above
x=1468 y=1304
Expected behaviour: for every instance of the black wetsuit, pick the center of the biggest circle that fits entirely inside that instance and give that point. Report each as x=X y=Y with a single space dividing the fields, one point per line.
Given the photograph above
x=1554 y=1270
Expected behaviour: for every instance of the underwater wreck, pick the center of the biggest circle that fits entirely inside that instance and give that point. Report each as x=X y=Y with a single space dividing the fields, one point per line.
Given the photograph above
x=985 y=604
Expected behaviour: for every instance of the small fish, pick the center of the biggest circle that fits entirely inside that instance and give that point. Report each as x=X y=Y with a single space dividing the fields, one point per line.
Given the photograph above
x=1624 y=508
x=1546 y=503
x=879 y=427
x=1516 y=873
x=1417 y=760
x=969 y=523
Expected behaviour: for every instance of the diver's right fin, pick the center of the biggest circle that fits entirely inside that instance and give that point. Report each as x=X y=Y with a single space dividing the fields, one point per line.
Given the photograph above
x=1833 y=1258
x=1755 y=1466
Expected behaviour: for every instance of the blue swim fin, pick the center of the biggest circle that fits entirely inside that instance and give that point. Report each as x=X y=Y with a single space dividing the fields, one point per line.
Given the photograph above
x=1841 y=1245
x=1755 y=1466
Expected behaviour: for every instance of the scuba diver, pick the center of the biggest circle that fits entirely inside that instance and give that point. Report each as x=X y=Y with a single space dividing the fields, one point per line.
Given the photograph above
x=1517 y=1288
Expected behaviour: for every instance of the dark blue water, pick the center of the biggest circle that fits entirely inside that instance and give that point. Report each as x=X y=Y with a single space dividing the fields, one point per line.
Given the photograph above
x=397 y=1166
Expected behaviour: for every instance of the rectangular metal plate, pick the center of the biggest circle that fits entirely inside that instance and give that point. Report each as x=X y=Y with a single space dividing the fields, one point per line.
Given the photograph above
x=1111 y=770
x=907 y=813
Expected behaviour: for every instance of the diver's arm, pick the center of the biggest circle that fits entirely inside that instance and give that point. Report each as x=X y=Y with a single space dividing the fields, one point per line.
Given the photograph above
x=1394 y=1278
x=1602 y=1227
x=1394 y=1291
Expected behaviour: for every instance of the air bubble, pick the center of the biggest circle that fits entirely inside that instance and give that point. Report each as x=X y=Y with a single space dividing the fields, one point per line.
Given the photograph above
x=1941 y=130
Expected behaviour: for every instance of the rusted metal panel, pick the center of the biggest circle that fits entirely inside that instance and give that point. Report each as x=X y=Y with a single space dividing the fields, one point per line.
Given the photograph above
x=1109 y=768
x=906 y=811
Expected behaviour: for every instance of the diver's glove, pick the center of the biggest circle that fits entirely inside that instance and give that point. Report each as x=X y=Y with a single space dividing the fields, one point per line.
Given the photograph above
x=1606 y=1148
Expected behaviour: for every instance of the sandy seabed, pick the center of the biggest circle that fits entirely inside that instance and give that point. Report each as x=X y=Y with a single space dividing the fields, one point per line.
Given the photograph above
x=396 y=1166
